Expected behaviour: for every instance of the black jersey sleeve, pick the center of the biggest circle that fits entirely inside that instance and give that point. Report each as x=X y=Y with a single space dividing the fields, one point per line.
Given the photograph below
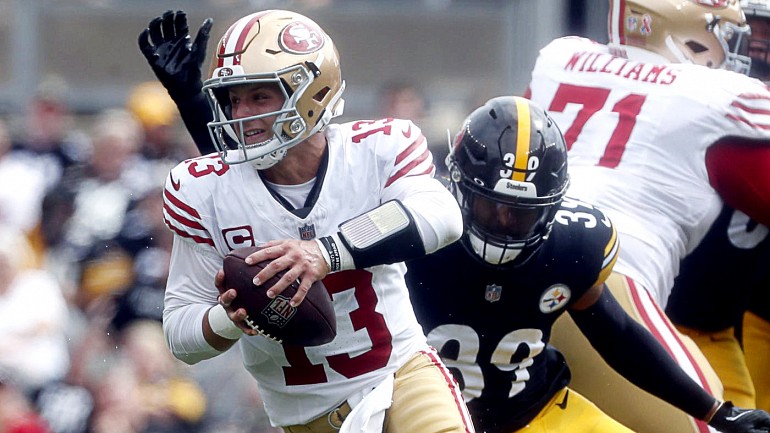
x=196 y=114
x=586 y=243
x=634 y=353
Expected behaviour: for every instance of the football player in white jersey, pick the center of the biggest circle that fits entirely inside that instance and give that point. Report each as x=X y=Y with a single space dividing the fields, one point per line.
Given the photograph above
x=286 y=178
x=660 y=137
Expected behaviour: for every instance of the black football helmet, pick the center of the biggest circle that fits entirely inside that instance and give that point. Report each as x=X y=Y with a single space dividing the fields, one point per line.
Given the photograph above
x=508 y=172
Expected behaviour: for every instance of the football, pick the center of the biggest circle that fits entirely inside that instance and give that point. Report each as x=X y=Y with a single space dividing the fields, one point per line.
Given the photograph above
x=311 y=323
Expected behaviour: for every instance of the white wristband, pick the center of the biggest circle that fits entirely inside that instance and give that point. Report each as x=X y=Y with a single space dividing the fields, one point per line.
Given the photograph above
x=335 y=254
x=222 y=325
x=345 y=257
x=325 y=254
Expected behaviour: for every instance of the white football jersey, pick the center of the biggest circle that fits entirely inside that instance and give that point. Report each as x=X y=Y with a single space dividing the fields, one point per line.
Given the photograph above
x=637 y=135
x=216 y=208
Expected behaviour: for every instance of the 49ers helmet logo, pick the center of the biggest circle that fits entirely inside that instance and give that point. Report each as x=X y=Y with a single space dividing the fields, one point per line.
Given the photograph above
x=301 y=38
x=224 y=72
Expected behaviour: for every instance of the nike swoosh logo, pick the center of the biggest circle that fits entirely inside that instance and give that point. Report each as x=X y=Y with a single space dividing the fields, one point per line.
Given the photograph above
x=408 y=132
x=175 y=183
x=563 y=404
x=734 y=418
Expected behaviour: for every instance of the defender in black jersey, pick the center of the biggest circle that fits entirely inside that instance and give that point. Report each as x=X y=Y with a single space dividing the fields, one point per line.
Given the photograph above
x=722 y=295
x=528 y=254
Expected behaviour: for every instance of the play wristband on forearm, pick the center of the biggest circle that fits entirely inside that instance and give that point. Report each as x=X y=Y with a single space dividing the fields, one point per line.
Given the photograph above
x=384 y=235
x=222 y=325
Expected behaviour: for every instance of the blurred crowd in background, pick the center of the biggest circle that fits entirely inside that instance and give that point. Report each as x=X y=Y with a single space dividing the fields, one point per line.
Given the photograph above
x=83 y=262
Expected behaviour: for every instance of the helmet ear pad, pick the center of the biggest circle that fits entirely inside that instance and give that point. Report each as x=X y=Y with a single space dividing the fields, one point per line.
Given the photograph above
x=508 y=172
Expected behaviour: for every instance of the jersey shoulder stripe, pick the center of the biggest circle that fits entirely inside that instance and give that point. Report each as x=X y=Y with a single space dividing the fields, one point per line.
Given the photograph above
x=190 y=228
x=610 y=257
x=183 y=197
x=751 y=109
x=584 y=240
x=419 y=161
x=398 y=144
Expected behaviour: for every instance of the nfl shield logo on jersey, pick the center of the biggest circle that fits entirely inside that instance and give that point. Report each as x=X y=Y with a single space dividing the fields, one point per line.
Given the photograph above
x=493 y=292
x=555 y=298
x=307 y=232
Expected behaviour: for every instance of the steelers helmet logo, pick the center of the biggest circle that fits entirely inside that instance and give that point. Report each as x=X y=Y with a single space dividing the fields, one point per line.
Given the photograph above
x=301 y=37
x=555 y=298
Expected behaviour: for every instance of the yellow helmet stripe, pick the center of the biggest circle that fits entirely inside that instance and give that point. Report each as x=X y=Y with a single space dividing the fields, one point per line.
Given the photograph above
x=522 y=140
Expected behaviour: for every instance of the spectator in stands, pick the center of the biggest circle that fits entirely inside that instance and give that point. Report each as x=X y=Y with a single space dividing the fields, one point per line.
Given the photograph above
x=32 y=345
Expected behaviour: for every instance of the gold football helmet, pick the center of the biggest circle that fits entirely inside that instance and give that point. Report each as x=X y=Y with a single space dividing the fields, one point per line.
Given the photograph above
x=284 y=48
x=758 y=17
x=711 y=33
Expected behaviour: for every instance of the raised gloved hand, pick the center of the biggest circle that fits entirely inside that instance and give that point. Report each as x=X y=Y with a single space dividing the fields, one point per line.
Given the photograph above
x=173 y=57
x=731 y=419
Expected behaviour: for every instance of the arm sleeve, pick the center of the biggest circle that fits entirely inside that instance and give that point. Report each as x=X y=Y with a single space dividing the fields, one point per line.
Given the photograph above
x=412 y=181
x=434 y=209
x=634 y=353
x=436 y=214
x=738 y=171
x=196 y=114
x=434 y=222
x=190 y=292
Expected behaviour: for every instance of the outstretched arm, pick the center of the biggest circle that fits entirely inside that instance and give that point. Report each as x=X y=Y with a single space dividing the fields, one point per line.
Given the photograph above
x=177 y=60
x=634 y=353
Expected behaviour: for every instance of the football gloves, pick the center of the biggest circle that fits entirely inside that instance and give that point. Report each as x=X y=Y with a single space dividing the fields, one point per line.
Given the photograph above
x=173 y=57
x=731 y=419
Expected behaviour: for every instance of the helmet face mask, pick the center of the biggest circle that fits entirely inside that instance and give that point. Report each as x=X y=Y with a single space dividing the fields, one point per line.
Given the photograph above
x=758 y=17
x=228 y=132
x=508 y=172
x=711 y=33
x=289 y=51
x=735 y=43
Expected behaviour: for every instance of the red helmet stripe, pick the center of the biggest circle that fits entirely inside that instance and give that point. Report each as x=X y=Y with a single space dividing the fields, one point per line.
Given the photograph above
x=238 y=32
x=615 y=22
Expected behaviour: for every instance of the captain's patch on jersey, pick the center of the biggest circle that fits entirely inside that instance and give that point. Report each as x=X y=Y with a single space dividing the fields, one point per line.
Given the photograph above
x=555 y=298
